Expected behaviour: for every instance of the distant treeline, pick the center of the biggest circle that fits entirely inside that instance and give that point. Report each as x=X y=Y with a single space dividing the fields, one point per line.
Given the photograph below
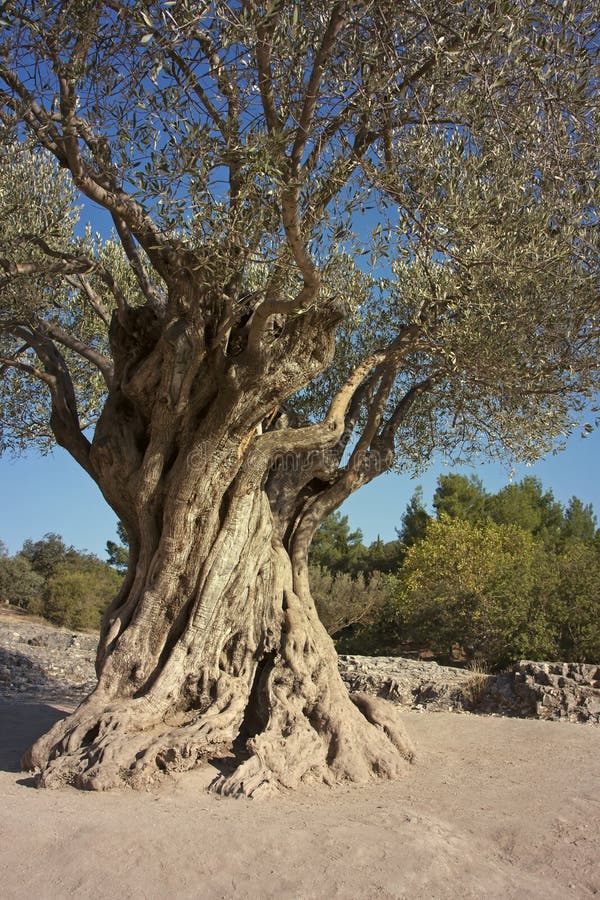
x=67 y=586
x=492 y=577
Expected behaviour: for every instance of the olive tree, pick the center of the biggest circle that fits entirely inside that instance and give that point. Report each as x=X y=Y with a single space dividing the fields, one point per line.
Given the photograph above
x=345 y=236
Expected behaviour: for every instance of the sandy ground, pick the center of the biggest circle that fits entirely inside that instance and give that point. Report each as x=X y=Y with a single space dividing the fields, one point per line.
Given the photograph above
x=494 y=808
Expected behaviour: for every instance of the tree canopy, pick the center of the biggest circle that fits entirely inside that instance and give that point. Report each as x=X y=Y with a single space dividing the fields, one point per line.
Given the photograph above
x=266 y=151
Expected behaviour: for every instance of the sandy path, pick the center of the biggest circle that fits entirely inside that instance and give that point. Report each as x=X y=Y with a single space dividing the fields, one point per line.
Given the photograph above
x=495 y=808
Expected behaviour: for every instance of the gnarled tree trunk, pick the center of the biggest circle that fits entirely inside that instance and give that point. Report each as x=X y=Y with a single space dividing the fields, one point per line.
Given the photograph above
x=220 y=654
x=213 y=646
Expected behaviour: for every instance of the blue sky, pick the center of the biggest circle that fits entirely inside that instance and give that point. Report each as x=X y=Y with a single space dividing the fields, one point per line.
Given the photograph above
x=51 y=493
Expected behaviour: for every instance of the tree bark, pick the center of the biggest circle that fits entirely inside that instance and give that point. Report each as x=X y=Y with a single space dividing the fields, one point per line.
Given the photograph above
x=217 y=651
x=213 y=647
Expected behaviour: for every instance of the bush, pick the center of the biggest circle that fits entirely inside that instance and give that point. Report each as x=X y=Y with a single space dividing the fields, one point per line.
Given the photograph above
x=343 y=601
x=20 y=585
x=489 y=588
x=78 y=594
x=576 y=607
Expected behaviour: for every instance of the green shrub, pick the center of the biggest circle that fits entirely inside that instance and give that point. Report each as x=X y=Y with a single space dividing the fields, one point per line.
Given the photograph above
x=78 y=594
x=20 y=585
x=488 y=588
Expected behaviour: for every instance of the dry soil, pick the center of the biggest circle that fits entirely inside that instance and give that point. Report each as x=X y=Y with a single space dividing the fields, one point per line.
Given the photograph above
x=494 y=808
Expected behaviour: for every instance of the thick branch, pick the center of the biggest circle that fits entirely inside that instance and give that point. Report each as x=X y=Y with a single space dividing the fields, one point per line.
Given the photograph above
x=64 y=419
x=36 y=267
x=336 y=23
x=150 y=291
x=101 y=362
x=264 y=34
x=402 y=409
x=7 y=363
x=407 y=340
x=80 y=283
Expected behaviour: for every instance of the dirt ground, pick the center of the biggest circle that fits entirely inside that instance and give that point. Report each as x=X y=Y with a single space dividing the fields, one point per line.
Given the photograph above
x=494 y=808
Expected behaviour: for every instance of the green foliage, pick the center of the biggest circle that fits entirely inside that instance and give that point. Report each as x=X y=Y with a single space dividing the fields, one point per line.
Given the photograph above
x=525 y=504
x=382 y=556
x=346 y=579
x=47 y=554
x=579 y=521
x=64 y=585
x=38 y=216
x=498 y=576
x=460 y=497
x=480 y=586
x=20 y=584
x=335 y=548
x=529 y=507
x=576 y=609
x=414 y=521
x=79 y=591
x=343 y=601
x=118 y=554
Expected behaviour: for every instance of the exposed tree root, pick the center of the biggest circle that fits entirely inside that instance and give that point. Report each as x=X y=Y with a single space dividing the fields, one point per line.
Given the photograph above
x=125 y=744
x=251 y=675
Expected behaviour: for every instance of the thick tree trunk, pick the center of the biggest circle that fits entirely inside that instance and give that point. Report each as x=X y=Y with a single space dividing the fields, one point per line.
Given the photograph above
x=220 y=655
x=213 y=647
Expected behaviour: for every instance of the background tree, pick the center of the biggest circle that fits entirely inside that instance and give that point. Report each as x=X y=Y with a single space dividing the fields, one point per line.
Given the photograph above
x=118 y=554
x=414 y=521
x=48 y=554
x=485 y=588
x=242 y=374
x=79 y=591
x=335 y=547
x=382 y=556
x=20 y=584
x=461 y=497
x=577 y=601
x=529 y=507
x=66 y=586
x=579 y=521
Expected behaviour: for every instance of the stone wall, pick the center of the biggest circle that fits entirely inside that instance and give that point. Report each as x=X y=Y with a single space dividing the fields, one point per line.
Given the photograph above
x=562 y=691
x=568 y=691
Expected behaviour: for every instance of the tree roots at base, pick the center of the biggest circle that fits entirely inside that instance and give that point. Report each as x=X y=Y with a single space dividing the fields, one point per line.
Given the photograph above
x=125 y=745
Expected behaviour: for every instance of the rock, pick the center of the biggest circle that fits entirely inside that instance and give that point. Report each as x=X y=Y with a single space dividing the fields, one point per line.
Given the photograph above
x=561 y=691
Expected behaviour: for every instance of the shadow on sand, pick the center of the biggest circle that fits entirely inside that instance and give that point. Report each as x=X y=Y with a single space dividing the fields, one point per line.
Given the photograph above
x=21 y=723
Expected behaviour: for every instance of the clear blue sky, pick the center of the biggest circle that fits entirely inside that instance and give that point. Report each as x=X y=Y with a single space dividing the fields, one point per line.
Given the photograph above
x=51 y=493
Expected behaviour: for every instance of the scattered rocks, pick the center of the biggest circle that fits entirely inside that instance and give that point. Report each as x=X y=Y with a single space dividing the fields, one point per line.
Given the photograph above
x=42 y=661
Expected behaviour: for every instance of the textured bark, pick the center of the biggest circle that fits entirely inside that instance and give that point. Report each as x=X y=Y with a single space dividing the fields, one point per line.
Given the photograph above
x=235 y=665
x=213 y=647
